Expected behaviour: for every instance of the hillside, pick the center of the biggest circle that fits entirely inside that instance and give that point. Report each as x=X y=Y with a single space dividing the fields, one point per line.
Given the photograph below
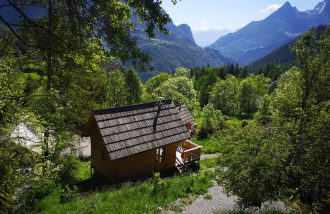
x=282 y=55
x=168 y=52
x=260 y=38
x=179 y=49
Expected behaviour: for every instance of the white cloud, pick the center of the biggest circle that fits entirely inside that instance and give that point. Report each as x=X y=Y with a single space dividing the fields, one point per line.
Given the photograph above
x=271 y=8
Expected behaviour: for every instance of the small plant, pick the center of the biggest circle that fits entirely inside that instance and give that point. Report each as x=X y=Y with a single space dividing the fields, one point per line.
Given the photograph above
x=245 y=123
x=158 y=183
x=208 y=197
x=68 y=194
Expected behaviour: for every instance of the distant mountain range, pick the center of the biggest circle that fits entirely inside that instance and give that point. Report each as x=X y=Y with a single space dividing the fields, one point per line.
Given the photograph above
x=168 y=52
x=282 y=55
x=204 y=38
x=179 y=49
x=260 y=38
x=247 y=45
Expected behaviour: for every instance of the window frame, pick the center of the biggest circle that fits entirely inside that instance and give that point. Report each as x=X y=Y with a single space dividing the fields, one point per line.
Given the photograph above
x=160 y=155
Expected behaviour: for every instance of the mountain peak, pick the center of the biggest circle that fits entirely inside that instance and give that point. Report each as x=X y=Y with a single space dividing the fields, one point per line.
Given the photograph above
x=185 y=31
x=286 y=11
x=286 y=4
x=321 y=8
x=286 y=7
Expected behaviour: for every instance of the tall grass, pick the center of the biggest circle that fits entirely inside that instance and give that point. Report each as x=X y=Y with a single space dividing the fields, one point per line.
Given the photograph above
x=210 y=145
x=131 y=198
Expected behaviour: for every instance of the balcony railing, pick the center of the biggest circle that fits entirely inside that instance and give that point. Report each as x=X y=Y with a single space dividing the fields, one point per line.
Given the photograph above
x=188 y=151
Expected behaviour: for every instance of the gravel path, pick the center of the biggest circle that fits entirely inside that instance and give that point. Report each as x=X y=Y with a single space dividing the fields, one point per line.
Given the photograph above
x=220 y=202
x=209 y=156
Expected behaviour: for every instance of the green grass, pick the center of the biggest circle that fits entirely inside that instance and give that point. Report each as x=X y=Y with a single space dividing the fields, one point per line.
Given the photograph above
x=207 y=163
x=210 y=145
x=130 y=198
x=239 y=118
x=83 y=172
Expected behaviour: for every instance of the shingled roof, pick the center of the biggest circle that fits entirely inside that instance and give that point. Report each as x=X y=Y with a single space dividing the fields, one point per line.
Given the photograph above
x=133 y=129
x=184 y=113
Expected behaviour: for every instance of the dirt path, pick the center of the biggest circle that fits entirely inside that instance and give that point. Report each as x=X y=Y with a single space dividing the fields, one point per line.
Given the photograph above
x=209 y=156
x=217 y=201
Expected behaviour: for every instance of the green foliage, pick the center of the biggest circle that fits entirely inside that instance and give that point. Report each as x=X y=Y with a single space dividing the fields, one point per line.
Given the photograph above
x=117 y=89
x=208 y=163
x=212 y=121
x=179 y=89
x=205 y=78
x=133 y=198
x=264 y=115
x=134 y=87
x=11 y=88
x=253 y=163
x=35 y=191
x=252 y=90
x=155 y=82
x=225 y=95
x=68 y=194
x=204 y=86
x=68 y=169
x=273 y=71
x=208 y=197
x=157 y=183
x=181 y=72
x=288 y=155
x=210 y=145
x=16 y=164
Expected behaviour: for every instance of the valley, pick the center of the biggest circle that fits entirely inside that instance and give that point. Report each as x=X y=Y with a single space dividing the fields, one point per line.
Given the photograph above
x=113 y=107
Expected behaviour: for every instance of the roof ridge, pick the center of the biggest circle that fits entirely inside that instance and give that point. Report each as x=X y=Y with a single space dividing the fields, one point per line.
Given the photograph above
x=131 y=107
x=134 y=114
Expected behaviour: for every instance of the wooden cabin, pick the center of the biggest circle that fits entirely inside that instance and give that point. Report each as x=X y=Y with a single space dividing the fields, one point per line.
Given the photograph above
x=187 y=118
x=132 y=142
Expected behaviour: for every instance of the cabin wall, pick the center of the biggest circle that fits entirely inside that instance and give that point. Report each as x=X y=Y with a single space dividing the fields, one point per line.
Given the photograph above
x=135 y=166
x=100 y=158
x=170 y=157
x=144 y=164
x=132 y=167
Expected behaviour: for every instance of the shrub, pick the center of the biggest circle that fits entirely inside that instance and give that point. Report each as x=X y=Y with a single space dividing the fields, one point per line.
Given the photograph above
x=212 y=121
x=244 y=123
x=37 y=190
x=158 y=183
x=67 y=173
x=68 y=194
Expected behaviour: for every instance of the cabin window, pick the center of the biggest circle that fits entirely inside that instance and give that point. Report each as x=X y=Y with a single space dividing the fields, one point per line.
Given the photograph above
x=160 y=155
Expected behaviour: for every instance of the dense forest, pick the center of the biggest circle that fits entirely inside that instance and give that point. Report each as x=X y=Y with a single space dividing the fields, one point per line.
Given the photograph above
x=270 y=127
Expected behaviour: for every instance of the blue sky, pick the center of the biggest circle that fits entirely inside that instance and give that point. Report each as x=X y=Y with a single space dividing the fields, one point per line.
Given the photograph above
x=226 y=14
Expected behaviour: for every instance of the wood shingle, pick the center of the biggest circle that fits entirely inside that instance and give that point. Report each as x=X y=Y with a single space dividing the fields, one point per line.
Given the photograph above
x=184 y=113
x=134 y=129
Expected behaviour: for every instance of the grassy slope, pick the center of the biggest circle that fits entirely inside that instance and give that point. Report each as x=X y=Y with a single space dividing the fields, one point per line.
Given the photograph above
x=129 y=197
x=123 y=199
x=211 y=144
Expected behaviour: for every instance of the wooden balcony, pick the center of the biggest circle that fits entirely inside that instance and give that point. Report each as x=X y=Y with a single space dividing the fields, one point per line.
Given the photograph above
x=187 y=152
